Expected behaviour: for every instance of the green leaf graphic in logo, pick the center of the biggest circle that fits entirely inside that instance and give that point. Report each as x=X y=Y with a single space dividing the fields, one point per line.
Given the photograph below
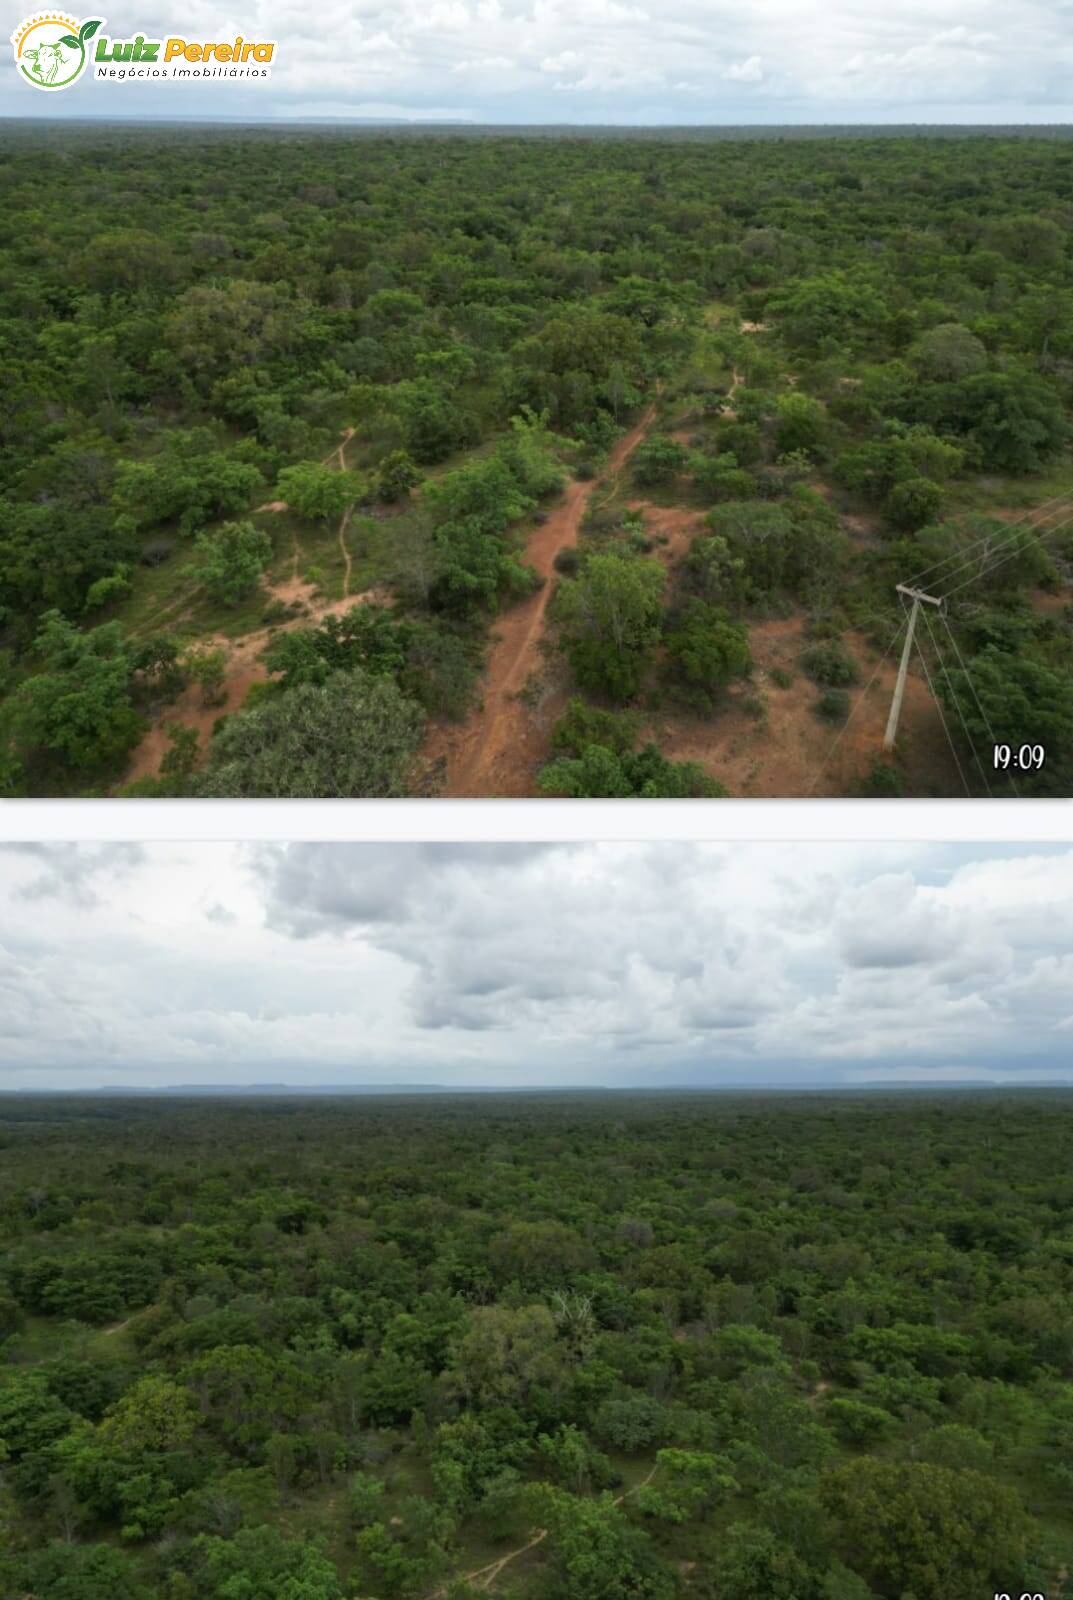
x=70 y=39
x=87 y=30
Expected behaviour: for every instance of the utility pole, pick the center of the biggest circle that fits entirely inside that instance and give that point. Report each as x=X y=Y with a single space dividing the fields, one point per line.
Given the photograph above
x=918 y=598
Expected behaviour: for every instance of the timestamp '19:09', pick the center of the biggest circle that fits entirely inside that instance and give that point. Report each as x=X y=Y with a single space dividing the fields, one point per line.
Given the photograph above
x=1019 y=758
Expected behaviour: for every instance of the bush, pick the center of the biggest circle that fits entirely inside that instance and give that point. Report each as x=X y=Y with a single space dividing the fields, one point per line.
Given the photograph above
x=658 y=460
x=598 y=773
x=882 y=782
x=230 y=560
x=582 y=725
x=833 y=705
x=631 y=1424
x=913 y=503
x=353 y=736
x=705 y=650
x=829 y=662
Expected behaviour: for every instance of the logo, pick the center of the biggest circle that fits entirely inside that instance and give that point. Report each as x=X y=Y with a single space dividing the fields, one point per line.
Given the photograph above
x=50 y=50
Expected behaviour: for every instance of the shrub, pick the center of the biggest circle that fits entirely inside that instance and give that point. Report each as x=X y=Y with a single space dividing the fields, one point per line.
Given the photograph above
x=829 y=662
x=913 y=503
x=882 y=782
x=658 y=460
x=833 y=705
x=156 y=551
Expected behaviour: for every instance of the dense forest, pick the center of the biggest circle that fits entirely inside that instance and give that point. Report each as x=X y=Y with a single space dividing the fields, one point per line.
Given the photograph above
x=587 y=1347
x=392 y=463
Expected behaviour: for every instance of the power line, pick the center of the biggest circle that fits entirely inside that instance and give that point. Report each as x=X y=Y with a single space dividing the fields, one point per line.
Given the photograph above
x=1016 y=539
x=942 y=719
x=959 y=556
x=994 y=565
x=975 y=695
x=957 y=703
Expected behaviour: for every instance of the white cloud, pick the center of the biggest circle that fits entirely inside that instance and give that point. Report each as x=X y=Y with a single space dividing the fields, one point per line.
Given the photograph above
x=751 y=71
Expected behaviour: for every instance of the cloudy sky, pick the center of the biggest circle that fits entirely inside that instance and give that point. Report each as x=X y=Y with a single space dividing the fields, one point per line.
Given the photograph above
x=534 y=965
x=592 y=61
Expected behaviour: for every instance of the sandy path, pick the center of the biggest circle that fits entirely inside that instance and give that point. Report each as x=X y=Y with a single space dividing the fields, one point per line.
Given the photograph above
x=344 y=520
x=497 y=750
x=484 y=1577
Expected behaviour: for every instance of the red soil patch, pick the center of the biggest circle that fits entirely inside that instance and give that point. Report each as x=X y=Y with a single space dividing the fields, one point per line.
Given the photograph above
x=1050 y=605
x=244 y=668
x=784 y=753
x=672 y=527
x=500 y=747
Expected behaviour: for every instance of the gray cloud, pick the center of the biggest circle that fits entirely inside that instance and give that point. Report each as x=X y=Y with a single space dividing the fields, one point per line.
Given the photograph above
x=70 y=871
x=586 y=964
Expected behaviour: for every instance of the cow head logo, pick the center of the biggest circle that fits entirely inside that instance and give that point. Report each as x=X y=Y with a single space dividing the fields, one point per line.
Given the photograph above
x=50 y=49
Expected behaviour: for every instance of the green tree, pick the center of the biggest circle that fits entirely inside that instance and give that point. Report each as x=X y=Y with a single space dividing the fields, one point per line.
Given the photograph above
x=154 y=1414
x=207 y=668
x=64 y=1571
x=947 y=352
x=908 y=1527
x=74 y=717
x=601 y=773
x=832 y=306
x=687 y=1483
x=261 y=1564
x=658 y=460
x=913 y=503
x=317 y=491
x=230 y=560
x=593 y=1554
x=396 y=475
x=752 y=1563
x=609 y=616
x=801 y=424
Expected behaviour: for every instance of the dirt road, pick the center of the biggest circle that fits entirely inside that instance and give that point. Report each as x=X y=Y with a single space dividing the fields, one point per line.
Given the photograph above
x=496 y=752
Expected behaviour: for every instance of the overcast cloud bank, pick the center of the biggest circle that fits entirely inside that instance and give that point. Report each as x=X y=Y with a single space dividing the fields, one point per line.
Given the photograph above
x=608 y=61
x=539 y=965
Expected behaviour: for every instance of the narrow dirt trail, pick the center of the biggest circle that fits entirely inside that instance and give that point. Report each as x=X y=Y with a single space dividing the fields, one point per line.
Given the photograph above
x=344 y=552
x=484 y=1577
x=489 y=755
x=736 y=381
